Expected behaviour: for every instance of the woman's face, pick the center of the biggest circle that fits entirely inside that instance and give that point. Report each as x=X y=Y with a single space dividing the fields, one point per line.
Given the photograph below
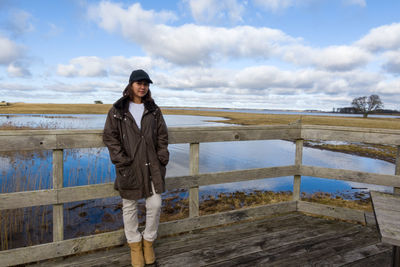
x=140 y=89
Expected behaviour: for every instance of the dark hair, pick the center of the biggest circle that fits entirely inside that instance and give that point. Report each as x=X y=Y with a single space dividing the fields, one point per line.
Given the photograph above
x=129 y=92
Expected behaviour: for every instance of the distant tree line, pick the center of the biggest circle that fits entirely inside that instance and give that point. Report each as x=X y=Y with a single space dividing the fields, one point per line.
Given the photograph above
x=366 y=105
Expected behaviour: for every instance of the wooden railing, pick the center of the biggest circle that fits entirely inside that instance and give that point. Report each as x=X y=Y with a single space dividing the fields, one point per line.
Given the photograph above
x=58 y=140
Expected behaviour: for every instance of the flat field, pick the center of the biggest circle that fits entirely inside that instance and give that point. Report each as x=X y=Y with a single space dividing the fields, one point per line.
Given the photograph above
x=232 y=117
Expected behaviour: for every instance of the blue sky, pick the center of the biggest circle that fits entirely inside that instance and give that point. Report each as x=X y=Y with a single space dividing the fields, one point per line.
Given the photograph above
x=271 y=54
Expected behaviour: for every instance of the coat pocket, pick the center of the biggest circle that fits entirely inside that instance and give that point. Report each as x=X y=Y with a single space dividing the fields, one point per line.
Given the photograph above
x=126 y=178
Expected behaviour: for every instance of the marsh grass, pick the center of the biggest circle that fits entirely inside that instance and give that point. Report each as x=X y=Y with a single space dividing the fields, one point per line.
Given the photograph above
x=31 y=108
x=279 y=119
x=382 y=152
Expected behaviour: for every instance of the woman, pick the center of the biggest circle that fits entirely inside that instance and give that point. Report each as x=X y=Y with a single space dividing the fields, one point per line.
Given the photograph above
x=137 y=138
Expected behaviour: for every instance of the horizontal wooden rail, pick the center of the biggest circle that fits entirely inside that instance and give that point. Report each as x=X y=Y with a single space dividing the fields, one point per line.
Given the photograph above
x=364 y=217
x=351 y=176
x=19 y=140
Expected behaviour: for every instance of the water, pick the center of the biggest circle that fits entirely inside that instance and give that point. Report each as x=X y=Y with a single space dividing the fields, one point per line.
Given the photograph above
x=94 y=121
x=89 y=166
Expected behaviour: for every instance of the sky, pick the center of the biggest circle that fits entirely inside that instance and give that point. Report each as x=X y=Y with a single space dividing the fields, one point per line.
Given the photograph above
x=254 y=54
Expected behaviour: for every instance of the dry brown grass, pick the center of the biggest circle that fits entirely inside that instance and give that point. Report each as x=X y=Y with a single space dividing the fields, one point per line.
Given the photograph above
x=382 y=152
x=274 y=119
x=232 y=117
x=28 y=108
x=335 y=200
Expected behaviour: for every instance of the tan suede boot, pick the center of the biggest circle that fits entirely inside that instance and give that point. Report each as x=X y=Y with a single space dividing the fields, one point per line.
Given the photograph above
x=148 y=252
x=137 y=259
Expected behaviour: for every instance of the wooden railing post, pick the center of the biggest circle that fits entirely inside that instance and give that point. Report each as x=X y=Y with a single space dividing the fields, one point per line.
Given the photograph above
x=396 y=190
x=194 y=191
x=58 y=209
x=298 y=161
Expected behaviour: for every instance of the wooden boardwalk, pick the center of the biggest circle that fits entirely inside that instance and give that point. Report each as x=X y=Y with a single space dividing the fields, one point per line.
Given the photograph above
x=292 y=239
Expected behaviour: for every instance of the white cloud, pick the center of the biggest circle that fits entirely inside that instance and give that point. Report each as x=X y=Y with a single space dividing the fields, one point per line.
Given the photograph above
x=85 y=87
x=268 y=80
x=188 y=44
x=385 y=37
x=83 y=66
x=18 y=69
x=9 y=51
x=266 y=77
x=10 y=88
x=216 y=10
x=191 y=44
x=391 y=88
x=101 y=67
x=332 y=57
x=392 y=62
x=340 y=57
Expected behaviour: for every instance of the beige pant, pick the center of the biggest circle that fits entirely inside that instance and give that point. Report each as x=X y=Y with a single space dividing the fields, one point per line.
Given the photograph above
x=131 y=221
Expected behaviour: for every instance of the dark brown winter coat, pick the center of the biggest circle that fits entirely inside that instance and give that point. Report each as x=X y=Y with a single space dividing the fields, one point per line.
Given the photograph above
x=139 y=155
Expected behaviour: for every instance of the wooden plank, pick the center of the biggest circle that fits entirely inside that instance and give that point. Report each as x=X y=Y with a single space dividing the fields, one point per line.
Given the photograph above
x=58 y=209
x=80 y=140
x=28 y=142
x=298 y=163
x=331 y=211
x=299 y=247
x=246 y=175
x=385 y=201
x=77 y=245
x=64 y=139
x=232 y=133
x=387 y=213
x=348 y=175
x=56 y=196
x=86 y=192
x=181 y=182
x=18 y=140
x=370 y=218
x=194 y=170
x=396 y=190
x=27 y=199
x=61 y=248
x=351 y=134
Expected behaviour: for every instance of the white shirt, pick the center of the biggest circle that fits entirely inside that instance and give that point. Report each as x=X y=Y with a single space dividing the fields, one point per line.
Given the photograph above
x=137 y=112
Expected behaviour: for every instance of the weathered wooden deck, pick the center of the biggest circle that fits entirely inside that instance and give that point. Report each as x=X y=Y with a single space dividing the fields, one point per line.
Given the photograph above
x=292 y=239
